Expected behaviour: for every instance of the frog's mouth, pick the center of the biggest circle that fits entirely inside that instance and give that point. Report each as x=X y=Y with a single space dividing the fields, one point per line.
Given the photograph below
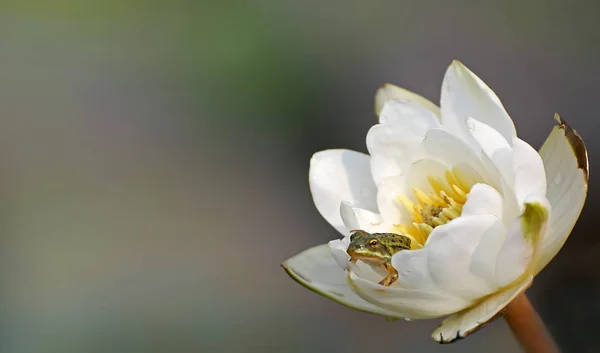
x=366 y=257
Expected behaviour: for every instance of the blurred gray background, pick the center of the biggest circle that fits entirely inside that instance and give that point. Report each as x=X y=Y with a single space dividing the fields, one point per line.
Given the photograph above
x=154 y=163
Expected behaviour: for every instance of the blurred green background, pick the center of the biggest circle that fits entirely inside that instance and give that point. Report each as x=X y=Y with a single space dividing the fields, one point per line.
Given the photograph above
x=154 y=163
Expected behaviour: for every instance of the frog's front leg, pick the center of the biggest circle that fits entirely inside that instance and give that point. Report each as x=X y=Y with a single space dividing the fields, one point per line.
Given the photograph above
x=391 y=277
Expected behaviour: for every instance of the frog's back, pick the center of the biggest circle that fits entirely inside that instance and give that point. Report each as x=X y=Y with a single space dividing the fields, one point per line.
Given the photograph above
x=393 y=242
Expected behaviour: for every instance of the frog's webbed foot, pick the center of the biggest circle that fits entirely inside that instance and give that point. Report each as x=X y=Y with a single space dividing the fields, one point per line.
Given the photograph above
x=391 y=277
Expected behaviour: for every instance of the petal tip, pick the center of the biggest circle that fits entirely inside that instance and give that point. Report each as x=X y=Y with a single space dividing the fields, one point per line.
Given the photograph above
x=457 y=64
x=459 y=335
x=576 y=143
x=389 y=91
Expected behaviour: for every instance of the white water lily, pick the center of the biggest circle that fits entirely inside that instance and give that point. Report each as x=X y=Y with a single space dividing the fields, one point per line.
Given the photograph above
x=484 y=210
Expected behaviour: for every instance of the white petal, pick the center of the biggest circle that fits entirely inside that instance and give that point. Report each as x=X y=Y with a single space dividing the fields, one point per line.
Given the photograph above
x=358 y=218
x=414 y=304
x=566 y=165
x=442 y=146
x=498 y=157
x=466 y=95
x=341 y=175
x=391 y=210
x=413 y=271
x=389 y=92
x=461 y=255
x=494 y=145
x=419 y=172
x=338 y=249
x=395 y=143
x=316 y=270
x=523 y=238
x=470 y=320
x=391 y=151
x=528 y=170
x=408 y=115
x=483 y=199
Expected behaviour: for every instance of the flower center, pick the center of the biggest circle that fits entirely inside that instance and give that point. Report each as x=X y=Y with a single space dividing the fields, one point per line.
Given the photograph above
x=435 y=208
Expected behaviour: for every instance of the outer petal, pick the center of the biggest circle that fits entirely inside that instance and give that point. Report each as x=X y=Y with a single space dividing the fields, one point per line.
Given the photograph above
x=566 y=164
x=317 y=270
x=388 y=92
x=472 y=319
x=341 y=175
x=414 y=304
x=466 y=95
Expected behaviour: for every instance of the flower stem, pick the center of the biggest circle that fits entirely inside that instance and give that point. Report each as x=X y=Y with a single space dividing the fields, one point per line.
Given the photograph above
x=528 y=328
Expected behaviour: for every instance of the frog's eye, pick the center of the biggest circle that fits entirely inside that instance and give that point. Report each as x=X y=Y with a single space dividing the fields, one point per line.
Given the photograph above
x=373 y=243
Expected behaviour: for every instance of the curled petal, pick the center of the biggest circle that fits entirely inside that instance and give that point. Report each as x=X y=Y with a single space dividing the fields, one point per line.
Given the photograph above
x=466 y=95
x=389 y=92
x=341 y=175
x=483 y=199
x=317 y=270
x=465 y=322
x=566 y=164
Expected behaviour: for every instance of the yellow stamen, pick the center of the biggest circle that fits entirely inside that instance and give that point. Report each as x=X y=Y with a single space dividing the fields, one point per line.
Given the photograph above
x=437 y=186
x=423 y=198
x=451 y=212
x=436 y=208
x=461 y=196
x=422 y=235
x=425 y=228
x=461 y=180
x=411 y=207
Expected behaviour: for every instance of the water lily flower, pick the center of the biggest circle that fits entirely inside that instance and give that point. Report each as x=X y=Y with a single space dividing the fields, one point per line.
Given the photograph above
x=485 y=211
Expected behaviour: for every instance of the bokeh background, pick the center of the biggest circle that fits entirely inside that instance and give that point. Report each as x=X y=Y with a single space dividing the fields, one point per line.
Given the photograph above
x=154 y=162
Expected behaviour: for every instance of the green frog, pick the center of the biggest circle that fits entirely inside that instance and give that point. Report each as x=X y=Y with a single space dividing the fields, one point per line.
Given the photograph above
x=376 y=249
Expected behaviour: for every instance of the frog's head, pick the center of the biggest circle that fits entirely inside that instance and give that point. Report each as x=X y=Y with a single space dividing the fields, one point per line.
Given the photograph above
x=369 y=248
